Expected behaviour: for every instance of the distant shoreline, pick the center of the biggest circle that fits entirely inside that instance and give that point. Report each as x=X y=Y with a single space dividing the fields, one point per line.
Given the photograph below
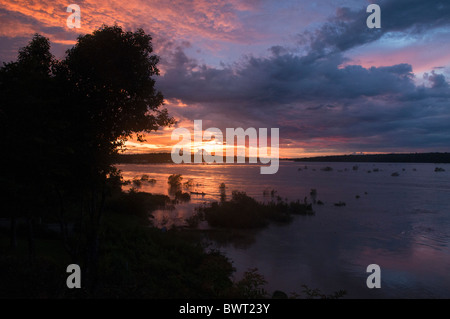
x=382 y=158
x=158 y=158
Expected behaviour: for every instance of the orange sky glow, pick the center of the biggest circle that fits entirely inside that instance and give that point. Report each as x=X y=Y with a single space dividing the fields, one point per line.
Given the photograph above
x=311 y=69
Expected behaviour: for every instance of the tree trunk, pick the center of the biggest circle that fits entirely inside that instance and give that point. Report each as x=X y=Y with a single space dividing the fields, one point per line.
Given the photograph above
x=31 y=242
x=13 y=228
x=13 y=238
x=70 y=249
x=96 y=212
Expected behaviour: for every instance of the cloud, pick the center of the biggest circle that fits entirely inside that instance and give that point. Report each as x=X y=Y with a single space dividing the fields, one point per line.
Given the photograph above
x=308 y=98
x=347 y=29
x=282 y=79
x=437 y=80
x=319 y=100
x=184 y=19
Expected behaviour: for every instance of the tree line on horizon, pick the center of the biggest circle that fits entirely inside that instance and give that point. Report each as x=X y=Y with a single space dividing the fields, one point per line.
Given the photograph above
x=145 y=158
x=382 y=158
x=431 y=157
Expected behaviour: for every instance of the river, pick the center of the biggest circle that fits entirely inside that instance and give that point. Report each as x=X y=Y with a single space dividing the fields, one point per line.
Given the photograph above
x=401 y=223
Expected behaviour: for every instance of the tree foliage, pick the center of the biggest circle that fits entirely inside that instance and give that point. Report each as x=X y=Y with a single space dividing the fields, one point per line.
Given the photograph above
x=63 y=123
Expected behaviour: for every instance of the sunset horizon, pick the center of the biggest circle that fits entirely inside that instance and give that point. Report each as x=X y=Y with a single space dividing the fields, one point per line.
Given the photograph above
x=236 y=153
x=315 y=71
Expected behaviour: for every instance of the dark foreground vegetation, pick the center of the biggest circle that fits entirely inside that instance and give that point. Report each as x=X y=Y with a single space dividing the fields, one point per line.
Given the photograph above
x=135 y=260
x=63 y=122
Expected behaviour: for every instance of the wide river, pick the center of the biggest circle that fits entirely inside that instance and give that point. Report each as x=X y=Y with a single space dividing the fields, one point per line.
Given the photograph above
x=401 y=223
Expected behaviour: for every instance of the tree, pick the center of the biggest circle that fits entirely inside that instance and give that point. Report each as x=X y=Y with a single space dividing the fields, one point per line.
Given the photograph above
x=109 y=74
x=27 y=130
x=71 y=118
x=107 y=78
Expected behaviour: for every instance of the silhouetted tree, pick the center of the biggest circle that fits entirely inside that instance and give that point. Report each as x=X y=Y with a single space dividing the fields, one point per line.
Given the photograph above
x=27 y=130
x=64 y=122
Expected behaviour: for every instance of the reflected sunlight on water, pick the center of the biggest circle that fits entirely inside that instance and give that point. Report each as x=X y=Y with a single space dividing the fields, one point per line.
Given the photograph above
x=400 y=222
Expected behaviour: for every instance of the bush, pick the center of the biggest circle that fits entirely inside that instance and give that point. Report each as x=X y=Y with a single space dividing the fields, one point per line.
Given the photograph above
x=135 y=203
x=143 y=262
x=182 y=197
x=243 y=211
x=174 y=180
x=251 y=286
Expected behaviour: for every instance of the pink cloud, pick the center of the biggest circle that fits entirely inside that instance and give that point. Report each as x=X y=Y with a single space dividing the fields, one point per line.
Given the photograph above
x=422 y=56
x=198 y=21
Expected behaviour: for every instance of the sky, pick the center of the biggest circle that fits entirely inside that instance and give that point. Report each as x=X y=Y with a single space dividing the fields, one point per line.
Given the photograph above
x=313 y=69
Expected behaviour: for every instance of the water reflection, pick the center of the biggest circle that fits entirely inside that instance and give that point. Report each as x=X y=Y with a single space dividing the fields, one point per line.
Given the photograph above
x=239 y=239
x=401 y=223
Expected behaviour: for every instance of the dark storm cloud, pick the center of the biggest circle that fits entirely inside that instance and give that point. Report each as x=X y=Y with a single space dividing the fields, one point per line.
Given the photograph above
x=317 y=99
x=282 y=79
x=348 y=28
x=313 y=96
x=437 y=80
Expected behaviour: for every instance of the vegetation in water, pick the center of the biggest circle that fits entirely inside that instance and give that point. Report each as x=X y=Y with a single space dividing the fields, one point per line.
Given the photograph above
x=243 y=211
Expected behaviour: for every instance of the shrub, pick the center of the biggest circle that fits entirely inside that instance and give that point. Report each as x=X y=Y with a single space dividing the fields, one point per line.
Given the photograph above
x=182 y=197
x=251 y=286
x=243 y=211
x=174 y=180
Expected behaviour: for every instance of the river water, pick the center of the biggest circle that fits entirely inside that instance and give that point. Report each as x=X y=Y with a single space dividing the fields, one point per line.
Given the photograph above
x=401 y=223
